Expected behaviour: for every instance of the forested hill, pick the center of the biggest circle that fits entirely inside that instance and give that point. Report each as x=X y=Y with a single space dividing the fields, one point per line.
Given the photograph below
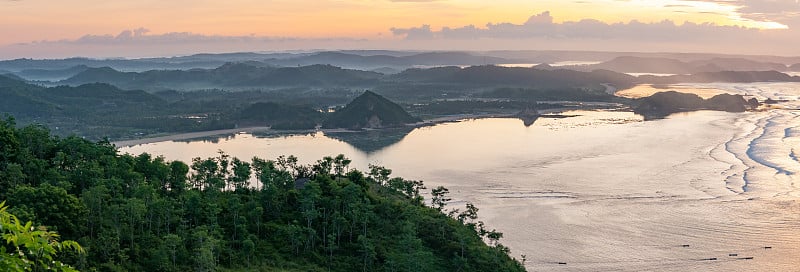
x=372 y=61
x=369 y=110
x=89 y=101
x=245 y=74
x=140 y=213
x=489 y=75
x=725 y=76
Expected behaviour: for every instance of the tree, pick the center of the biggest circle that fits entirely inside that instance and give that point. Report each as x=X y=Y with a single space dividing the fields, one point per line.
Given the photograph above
x=340 y=165
x=33 y=249
x=379 y=174
x=439 y=197
x=203 y=251
x=139 y=213
x=241 y=174
x=177 y=177
x=50 y=206
x=409 y=188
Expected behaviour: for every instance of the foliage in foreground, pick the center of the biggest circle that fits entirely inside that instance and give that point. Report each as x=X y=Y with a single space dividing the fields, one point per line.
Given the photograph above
x=139 y=213
x=30 y=249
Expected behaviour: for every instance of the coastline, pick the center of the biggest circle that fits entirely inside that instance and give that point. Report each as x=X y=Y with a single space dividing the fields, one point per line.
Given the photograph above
x=264 y=129
x=185 y=136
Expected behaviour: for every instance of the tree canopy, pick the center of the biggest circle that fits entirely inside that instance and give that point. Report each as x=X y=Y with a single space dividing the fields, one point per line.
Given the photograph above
x=143 y=213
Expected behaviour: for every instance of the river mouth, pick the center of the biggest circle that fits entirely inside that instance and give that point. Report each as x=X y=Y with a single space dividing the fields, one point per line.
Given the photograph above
x=599 y=191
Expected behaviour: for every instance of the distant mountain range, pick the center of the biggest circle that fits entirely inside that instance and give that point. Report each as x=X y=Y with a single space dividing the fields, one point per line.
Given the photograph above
x=56 y=69
x=724 y=76
x=515 y=76
x=629 y=64
x=389 y=62
x=259 y=75
x=369 y=62
x=231 y=75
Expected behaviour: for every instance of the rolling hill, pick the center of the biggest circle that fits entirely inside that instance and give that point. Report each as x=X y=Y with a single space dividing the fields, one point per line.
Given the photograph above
x=369 y=110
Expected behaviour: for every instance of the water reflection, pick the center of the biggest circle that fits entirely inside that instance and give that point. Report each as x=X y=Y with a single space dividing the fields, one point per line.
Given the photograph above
x=600 y=190
x=367 y=142
x=215 y=139
x=371 y=140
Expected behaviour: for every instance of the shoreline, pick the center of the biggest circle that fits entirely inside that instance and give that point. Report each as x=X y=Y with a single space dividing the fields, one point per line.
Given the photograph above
x=185 y=136
x=201 y=134
x=265 y=129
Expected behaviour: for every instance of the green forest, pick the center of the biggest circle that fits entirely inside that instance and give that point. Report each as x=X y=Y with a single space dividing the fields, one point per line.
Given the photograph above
x=99 y=210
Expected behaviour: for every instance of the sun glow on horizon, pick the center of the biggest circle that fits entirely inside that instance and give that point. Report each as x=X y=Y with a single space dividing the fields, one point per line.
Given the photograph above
x=32 y=22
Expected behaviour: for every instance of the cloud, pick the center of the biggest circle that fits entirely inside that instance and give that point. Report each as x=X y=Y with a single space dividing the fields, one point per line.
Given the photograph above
x=539 y=32
x=543 y=32
x=543 y=26
x=141 y=36
x=415 y=33
x=140 y=42
x=782 y=11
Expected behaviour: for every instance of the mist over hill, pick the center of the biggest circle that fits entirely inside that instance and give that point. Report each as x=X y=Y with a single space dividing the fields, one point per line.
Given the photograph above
x=628 y=64
x=396 y=61
x=105 y=101
x=234 y=75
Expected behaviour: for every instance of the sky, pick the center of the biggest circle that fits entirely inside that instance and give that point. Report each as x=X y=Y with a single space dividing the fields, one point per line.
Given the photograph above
x=144 y=28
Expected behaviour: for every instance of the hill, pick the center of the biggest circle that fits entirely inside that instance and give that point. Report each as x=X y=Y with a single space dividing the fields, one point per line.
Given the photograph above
x=738 y=64
x=662 y=104
x=724 y=76
x=51 y=75
x=280 y=116
x=490 y=75
x=230 y=75
x=369 y=110
x=631 y=64
x=28 y=100
x=646 y=65
x=372 y=61
x=96 y=109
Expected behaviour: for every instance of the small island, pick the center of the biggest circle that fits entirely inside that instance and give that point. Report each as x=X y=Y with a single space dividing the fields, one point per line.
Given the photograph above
x=661 y=104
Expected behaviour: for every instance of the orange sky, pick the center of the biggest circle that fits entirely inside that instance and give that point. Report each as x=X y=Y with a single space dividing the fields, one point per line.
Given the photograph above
x=33 y=20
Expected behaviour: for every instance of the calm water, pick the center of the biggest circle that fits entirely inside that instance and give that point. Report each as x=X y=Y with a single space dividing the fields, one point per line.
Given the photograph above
x=602 y=191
